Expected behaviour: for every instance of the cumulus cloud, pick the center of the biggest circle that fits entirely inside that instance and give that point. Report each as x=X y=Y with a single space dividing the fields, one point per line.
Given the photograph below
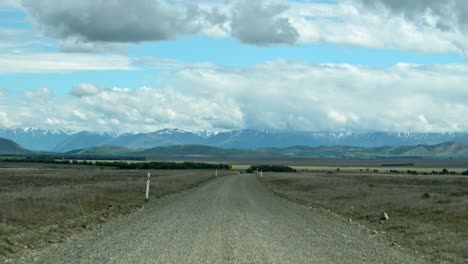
x=280 y=95
x=112 y=21
x=290 y=95
x=119 y=109
x=85 y=89
x=447 y=20
x=98 y=25
x=92 y=25
x=262 y=23
x=5 y=121
x=449 y=15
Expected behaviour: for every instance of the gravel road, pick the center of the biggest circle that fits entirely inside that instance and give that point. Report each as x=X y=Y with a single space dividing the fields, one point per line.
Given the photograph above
x=233 y=219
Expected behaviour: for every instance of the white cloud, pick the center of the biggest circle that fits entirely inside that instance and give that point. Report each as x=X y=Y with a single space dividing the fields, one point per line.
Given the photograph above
x=80 y=115
x=61 y=62
x=283 y=95
x=78 y=45
x=262 y=23
x=166 y=64
x=43 y=94
x=87 y=28
x=122 y=109
x=422 y=26
x=349 y=23
x=85 y=89
x=300 y=96
x=5 y=121
x=338 y=117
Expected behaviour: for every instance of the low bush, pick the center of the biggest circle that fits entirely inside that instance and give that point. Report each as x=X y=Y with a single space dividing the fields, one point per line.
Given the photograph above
x=270 y=168
x=122 y=165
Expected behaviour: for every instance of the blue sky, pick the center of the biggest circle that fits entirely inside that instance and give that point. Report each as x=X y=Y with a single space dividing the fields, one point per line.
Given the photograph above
x=196 y=65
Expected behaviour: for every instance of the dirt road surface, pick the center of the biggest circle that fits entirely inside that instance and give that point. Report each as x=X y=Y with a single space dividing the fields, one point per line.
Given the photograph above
x=233 y=219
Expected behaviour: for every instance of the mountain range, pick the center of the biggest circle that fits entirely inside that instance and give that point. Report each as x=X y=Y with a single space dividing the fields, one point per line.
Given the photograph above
x=63 y=141
x=444 y=150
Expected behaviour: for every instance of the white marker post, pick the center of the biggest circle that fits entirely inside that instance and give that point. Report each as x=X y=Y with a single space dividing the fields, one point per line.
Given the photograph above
x=261 y=173
x=147 y=186
x=216 y=173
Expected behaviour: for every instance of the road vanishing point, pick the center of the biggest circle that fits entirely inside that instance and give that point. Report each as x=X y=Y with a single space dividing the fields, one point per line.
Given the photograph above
x=232 y=219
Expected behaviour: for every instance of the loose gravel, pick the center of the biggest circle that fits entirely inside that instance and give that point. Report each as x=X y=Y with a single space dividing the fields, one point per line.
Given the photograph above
x=233 y=219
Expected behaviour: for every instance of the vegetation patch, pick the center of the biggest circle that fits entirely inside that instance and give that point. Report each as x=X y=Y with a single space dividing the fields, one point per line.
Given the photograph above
x=43 y=204
x=425 y=212
x=270 y=168
x=122 y=165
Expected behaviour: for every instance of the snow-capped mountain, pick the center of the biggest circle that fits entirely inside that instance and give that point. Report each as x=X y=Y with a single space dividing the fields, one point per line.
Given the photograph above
x=62 y=141
x=34 y=138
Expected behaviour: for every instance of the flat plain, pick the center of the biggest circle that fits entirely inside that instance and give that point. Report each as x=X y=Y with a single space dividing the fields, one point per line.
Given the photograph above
x=231 y=219
x=46 y=207
x=43 y=204
x=427 y=213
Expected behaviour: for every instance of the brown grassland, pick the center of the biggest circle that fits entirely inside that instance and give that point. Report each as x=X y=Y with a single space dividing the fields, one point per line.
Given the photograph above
x=427 y=213
x=42 y=204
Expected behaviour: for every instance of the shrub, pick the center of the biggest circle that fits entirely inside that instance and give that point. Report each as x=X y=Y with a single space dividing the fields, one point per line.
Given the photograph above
x=121 y=165
x=270 y=168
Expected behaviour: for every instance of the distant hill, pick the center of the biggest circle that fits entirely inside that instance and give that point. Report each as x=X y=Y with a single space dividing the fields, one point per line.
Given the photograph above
x=104 y=151
x=444 y=150
x=196 y=151
x=8 y=147
x=63 y=141
x=83 y=140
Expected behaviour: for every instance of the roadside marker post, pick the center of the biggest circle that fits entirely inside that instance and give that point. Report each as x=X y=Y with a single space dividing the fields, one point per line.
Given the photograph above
x=261 y=173
x=216 y=173
x=148 y=176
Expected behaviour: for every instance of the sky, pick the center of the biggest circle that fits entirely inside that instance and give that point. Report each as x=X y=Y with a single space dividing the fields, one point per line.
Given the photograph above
x=141 y=66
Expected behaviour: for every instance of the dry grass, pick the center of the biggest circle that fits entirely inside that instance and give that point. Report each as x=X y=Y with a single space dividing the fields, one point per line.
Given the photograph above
x=427 y=213
x=41 y=204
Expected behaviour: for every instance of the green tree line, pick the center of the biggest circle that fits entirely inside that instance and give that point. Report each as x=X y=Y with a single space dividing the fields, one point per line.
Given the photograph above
x=122 y=165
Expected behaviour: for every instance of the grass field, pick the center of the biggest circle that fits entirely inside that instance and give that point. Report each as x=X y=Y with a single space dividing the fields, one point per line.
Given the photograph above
x=373 y=169
x=428 y=213
x=42 y=204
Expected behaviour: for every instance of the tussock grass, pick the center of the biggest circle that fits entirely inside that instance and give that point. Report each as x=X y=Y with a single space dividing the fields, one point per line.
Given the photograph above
x=42 y=204
x=427 y=212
